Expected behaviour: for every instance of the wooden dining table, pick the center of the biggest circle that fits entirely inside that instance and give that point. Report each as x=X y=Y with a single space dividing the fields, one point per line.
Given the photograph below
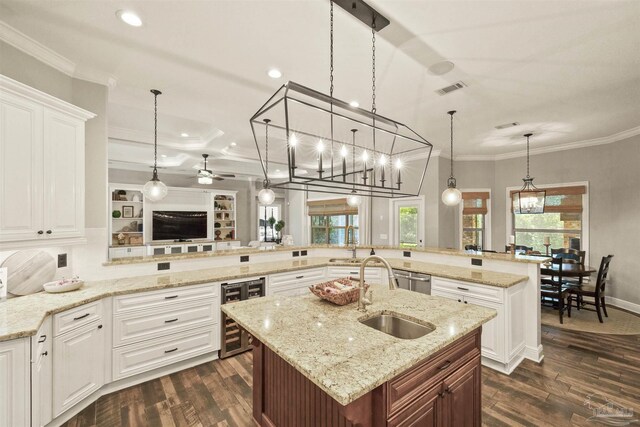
x=568 y=270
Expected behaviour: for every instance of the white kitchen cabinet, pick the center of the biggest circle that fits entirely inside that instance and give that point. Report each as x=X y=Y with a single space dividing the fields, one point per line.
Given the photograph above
x=41 y=167
x=127 y=252
x=14 y=383
x=222 y=246
x=295 y=282
x=41 y=375
x=372 y=275
x=78 y=365
x=502 y=339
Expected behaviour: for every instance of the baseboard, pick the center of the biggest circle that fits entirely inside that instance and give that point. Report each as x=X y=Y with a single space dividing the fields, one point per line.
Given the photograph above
x=131 y=381
x=535 y=354
x=626 y=305
x=504 y=368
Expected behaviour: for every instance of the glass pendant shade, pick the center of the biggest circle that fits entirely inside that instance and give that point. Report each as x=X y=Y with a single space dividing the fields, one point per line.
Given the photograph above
x=206 y=180
x=266 y=196
x=354 y=200
x=530 y=199
x=451 y=196
x=155 y=189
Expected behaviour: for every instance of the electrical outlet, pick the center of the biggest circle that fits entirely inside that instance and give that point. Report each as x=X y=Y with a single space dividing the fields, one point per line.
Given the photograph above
x=244 y=258
x=62 y=260
x=296 y=253
x=383 y=237
x=164 y=266
x=476 y=261
x=303 y=253
x=3 y=282
x=406 y=254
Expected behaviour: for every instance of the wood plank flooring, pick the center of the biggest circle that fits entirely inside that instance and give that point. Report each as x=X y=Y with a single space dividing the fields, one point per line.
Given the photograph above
x=576 y=365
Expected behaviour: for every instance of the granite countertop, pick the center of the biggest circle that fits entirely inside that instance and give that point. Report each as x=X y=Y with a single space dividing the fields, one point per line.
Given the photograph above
x=279 y=248
x=22 y=316
x=343 y=357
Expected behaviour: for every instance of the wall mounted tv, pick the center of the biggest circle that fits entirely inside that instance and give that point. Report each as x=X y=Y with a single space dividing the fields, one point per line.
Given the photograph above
x=179 y=225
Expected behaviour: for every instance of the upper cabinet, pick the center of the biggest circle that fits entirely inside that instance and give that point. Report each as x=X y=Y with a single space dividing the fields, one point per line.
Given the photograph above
x=41 y=167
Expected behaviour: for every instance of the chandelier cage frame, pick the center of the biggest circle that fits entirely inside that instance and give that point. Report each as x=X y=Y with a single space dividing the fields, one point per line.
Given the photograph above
x=529 y=199
x=385 y=141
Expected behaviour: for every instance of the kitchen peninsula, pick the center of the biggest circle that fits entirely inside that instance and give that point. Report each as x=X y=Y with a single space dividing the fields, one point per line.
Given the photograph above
x=328 y=367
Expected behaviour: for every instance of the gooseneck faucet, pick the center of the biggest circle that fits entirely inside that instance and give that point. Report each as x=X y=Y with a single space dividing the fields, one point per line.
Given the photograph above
x=393 y=282
x=352 y=240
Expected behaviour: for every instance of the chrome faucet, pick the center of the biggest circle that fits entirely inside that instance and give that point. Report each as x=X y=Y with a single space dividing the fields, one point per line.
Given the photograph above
x=363 y=302
x=352 y=240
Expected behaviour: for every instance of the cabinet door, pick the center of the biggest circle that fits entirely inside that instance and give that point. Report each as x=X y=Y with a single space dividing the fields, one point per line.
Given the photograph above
x=63 y=175
x=78 y=365
x=21 y=178
x=462 y=396
x=493 y=336
x=41 y=375
x=14 y=383
x=424 y=412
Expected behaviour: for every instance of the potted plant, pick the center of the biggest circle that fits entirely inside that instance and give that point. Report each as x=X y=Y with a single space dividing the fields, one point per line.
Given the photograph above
x=278 y=227
x=272 y=222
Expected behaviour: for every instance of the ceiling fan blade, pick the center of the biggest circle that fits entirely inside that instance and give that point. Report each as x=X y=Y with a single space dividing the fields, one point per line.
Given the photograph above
x=227 y=175
x=217 y=178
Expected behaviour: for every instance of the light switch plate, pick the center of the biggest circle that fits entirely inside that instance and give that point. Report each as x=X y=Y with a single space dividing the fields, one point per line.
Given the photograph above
x=3 y=282
x=383 y=237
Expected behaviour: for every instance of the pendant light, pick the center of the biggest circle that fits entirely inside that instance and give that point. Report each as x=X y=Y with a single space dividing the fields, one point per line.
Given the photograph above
x=529 y=200
x=451 y=196
x=155 y=189
x=266 y=196
x=354 y=199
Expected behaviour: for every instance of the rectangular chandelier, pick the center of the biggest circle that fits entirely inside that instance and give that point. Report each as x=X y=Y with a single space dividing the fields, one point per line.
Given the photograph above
x=333 y=147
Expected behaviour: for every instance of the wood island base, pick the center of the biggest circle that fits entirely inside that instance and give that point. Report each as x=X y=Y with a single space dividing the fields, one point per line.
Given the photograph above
x=443 y=390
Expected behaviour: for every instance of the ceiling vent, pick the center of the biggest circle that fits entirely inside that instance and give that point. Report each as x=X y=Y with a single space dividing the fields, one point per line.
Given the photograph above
x=507 y=125
x=449 y=89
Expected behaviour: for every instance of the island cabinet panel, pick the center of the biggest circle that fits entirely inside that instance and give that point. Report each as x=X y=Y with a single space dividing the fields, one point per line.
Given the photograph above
x=443 y=391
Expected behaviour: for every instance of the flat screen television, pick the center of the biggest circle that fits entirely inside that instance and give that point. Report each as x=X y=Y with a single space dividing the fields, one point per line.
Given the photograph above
x=177 y=225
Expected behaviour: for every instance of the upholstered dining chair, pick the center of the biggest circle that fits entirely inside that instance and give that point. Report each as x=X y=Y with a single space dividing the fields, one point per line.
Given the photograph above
x=596 y=292
x=553 y=288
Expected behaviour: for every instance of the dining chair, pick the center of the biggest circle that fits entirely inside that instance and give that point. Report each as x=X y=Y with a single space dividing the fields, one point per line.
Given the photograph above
x=596 y=292
x=489 y=251
x=554 y=289
x=470 y=247
x=520 y=248
x=570 y=256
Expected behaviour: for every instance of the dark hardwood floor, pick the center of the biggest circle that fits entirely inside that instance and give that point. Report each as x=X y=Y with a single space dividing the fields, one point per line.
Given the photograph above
x=554 y=393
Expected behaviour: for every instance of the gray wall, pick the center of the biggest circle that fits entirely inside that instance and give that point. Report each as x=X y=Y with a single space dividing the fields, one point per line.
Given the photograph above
x=246 y=206
x=90 y=96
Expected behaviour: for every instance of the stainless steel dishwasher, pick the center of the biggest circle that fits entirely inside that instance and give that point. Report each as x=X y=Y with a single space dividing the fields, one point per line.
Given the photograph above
x=416 y=282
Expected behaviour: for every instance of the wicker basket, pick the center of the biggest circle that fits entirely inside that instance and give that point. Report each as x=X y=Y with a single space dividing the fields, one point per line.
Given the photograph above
x=332 y=293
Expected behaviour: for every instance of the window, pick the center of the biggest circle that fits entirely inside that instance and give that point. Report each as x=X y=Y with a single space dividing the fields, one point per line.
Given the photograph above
x=406 y=221
x=408 y=227
x=474 y=219
x=561 y=221
x=330 y=220
x=264 y=213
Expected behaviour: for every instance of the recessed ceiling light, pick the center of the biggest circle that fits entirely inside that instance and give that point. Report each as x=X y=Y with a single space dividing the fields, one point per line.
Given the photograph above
x=354 y=104
x=274 y=73
x=233 y=144
x=184 y=135
x=129 y=18
x=440 y=68
x=277 y=170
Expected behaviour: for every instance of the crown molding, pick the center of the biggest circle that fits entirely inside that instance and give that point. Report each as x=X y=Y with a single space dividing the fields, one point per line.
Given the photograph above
x=143 y=137
x=47 y=56
x=629 y=133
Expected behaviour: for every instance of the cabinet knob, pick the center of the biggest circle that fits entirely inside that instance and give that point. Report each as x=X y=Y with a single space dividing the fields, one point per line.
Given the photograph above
x=459 y=300
x=99 y=326
x=40 y=232
x=45 y=353
x=441 y=395
x=466 y=302
x=448 y=390
x=48 y=231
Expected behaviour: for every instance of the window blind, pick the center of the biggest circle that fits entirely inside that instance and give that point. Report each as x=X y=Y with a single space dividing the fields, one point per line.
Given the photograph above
x=474 y=203
x=330 y=207
x=562 y=199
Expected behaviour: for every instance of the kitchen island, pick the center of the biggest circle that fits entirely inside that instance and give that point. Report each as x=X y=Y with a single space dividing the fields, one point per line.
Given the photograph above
x=316 y=363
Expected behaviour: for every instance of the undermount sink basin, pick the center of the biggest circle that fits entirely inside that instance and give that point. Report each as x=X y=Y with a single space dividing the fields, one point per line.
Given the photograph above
x=347 y=260
x=398 y=326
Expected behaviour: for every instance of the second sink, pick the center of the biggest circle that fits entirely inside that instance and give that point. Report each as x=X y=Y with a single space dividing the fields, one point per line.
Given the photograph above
x=398 y=326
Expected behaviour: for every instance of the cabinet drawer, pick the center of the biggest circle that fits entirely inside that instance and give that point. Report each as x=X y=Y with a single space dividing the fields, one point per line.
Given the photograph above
x=163 y=298
x=371 y=274
x=136 y=358
x=76 y=317
x=404 y=389
x=315 y=275
x=140 y=326
x=488 y=293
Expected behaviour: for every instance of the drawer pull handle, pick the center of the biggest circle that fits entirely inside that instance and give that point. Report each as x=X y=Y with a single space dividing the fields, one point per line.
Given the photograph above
x=299 y=277
x=172 y=350
x=99 y=326
x=82 y=317
x=463 y=289
x=171 y=321
x=459 y=300
x=441 y=395
x=354 y=272
x=466 y=302
x=43 y=338
x=40 y=232
x=448 y=391
x=171 y=297
x=48 y=231
x=445 y=365
x=45 y=353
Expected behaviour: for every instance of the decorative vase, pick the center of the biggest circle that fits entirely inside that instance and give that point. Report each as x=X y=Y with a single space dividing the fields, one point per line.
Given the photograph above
x=116 y=214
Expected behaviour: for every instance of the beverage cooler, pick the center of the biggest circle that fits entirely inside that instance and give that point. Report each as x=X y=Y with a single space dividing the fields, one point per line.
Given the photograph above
x=234 y=339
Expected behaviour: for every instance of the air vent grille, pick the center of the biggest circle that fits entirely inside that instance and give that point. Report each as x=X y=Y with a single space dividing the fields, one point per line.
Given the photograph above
x=449 y=89
x=507 y=125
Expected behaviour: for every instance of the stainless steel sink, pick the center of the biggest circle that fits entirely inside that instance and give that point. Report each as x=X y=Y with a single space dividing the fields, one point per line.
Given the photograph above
x=347 y=260
x=398 y=326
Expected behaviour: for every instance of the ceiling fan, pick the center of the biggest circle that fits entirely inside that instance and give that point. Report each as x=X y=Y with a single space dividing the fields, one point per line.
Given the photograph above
x=206 y=176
